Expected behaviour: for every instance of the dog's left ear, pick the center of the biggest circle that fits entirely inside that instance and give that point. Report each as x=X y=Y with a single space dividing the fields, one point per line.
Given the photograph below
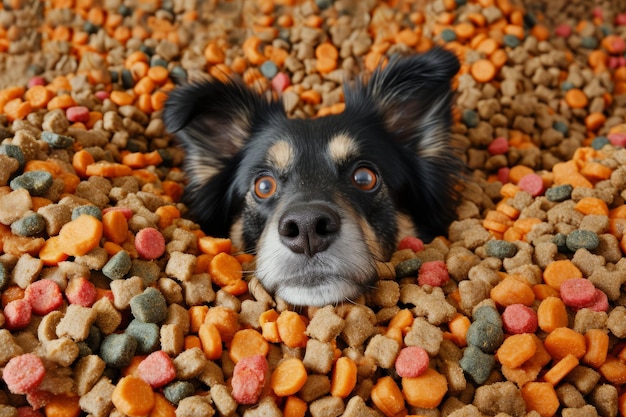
x=412 y=97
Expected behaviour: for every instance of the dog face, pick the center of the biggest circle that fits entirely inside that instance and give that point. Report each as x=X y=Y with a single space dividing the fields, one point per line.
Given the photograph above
x=320 y=201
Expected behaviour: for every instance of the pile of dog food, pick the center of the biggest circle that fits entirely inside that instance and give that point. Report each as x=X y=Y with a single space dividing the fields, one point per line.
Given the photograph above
x=114 y=302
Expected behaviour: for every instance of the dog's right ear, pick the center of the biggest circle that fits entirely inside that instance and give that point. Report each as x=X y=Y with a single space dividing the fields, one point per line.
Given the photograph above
x=212 y=121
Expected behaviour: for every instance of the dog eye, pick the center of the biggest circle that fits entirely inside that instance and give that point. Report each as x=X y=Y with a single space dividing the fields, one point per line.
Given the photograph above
x=365 y=179
x=265 y=186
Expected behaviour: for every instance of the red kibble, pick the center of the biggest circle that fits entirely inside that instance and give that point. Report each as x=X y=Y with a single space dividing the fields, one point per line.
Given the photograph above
x=433 y=273
x=280 y=82
x=532 y=184
x=150 y=243
x=36 y=80
x=44 y=296
x=518 y=318
x=412 y=361
x=601 y=302
x=411 y=242
x=102 y=95
x=28 y=411
x=249 y=378
x=498 y=146
x=578 y=292
x=503 y=174
x=563 y=30
x=127 y=212
x=23 y=373
x=17 y=314
x=157 y=369
x=617 y=139
x=81 y=291
x=77 y=114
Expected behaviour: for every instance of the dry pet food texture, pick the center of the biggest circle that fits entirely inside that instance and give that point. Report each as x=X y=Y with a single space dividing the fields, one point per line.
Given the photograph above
x=114 y=303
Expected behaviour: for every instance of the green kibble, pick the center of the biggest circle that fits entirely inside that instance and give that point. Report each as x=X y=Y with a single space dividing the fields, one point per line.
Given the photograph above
x=149 y=271
x=149 y=306
x=448 y=35
x=589 y=42
x=118 y=266
x=178 y=390
x=56 y=141
x=29 y=225
x=4 y=276
x=408 y=268
x=470 y=118
x=582 y=239
x=488 y=313
x=14 y=152
x=511 y=41
x=600 y=142
x=477 y=364
x=35 y=182
x=500 y=249
x=90 y=210
x=117 y=350
x=560 y=241
x=485 y=335
x=147 y=335
x=559 y=193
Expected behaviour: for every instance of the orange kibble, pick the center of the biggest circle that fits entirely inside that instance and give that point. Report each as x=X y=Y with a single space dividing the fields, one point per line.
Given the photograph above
x=512 y=290
x=576 y=98
x=592 y=205
x=563 y=341
x=483 y=70
x=464 y=30
x=121 y=98
x=552 y=314
x=558 y=271
x=214 y=54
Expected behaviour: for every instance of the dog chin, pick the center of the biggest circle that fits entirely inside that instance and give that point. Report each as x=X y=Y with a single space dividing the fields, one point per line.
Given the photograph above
x=341 y=273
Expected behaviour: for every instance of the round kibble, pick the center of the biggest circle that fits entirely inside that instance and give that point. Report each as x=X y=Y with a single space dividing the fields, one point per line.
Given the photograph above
x=90 y=210
x=14 y=152
x=23 y=373
x=489 y=314
x=147 y=335
x=57 y=141
x=559 y=193
x=117 y=350
x=44 y=296
x=408 y=268
x=157 y=369
x=498 y=146
x=29 y=225
x=149 y=306
x=511 y=41
x=411 y=242
x=118 y=266
x=470 y=118
x=448 y=35
x=600 y=142
x=485 y=335
x=433 y=273
x=477 y=364
x=269 y=69
x=412 y=361
x=81 y=291
x=249 y=378
x=577 y=292
x=17 y=314
x=35 y=182
x=532 y=184
x=150 y=243
x=518 y=318
x=178 y=390
x=600 y=303
x=582 y=239
x=500 y=249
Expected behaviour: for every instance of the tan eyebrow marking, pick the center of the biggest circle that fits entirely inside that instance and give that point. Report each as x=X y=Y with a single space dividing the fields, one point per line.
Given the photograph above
x=280 y=155
x=342 y=147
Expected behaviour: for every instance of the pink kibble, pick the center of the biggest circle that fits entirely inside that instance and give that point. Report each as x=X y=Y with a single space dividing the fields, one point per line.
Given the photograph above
x=620 y=19
x=150 y=243
x=37 y=399
x=601 y=302
x=411 y=242
x=81 y=291
x=617 y=139
x=532 y=184
x=127 y=212
x=157 y=369
x=102 y=95
x=498 y=146
x=617 y=45
x=613 y=62
x=577 y=292
x=77 y=114
x=17 y=314
x=412 y=361
x=503 y=174
x=598 y=12
x=433 y=273
x=44 y=296
x=518 y=318
x=249 y=378
x=29 y=411
x=563 y=30
x=36 y=80
x=23 y=373
x=280 y=82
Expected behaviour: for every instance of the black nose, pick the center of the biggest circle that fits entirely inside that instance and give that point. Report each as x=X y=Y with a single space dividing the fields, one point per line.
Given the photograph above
x=309 y=228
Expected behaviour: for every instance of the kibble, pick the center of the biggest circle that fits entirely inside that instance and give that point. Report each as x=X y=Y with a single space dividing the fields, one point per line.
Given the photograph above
x=35 y=182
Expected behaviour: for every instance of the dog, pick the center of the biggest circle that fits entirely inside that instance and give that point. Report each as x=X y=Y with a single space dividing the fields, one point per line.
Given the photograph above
x=321 y=200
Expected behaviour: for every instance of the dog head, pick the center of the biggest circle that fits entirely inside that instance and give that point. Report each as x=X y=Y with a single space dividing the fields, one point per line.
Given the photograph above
x=321 y=200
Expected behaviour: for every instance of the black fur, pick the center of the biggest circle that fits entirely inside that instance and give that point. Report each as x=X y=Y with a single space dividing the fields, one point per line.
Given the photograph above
x=399 y=118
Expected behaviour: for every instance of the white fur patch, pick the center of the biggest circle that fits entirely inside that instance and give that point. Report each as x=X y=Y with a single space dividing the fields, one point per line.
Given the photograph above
x=281 y=155
x=342 y=147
